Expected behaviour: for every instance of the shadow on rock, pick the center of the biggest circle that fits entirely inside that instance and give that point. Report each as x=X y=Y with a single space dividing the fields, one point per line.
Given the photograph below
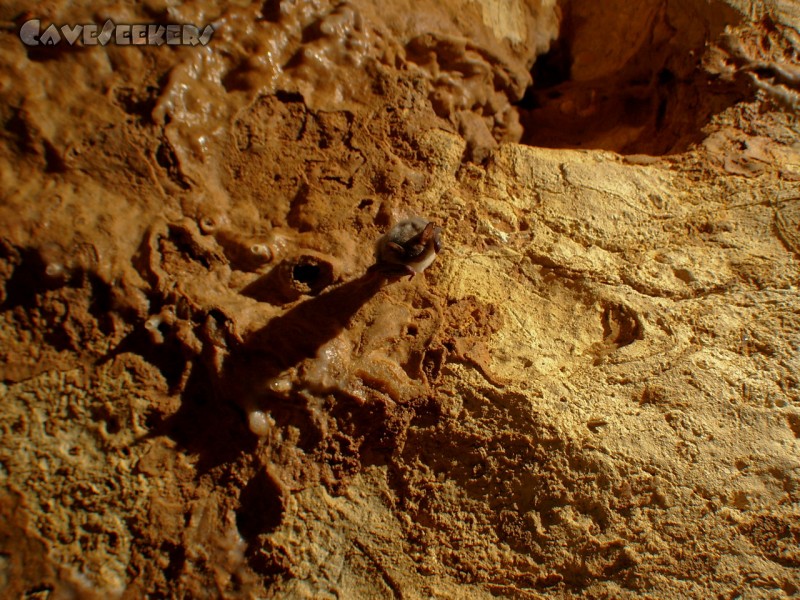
x=217 y=430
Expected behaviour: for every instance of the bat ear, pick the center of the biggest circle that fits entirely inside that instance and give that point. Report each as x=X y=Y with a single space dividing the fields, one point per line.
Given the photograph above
x=427 y=233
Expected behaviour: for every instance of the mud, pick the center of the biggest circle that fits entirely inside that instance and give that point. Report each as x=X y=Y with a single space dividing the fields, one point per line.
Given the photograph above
x=591 y=392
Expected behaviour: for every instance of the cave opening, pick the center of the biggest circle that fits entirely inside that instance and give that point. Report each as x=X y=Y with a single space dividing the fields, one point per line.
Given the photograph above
x=629 y=77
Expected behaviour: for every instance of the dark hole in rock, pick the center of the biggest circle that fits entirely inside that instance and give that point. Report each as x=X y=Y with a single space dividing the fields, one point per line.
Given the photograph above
x=306 y=273
x=309 y=274
x=628 y=77
x=261 y=506
x=113 y=425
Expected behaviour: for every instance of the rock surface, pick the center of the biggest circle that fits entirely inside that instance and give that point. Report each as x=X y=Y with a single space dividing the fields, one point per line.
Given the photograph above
x=592 y=392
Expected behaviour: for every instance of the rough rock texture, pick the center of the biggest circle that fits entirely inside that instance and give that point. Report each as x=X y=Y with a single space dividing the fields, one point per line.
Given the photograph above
x=592 y=392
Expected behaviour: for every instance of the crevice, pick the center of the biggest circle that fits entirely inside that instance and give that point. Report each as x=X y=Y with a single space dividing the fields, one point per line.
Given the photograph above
x=629 y=78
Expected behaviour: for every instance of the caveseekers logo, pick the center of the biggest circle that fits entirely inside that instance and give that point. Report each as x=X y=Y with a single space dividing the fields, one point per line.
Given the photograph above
x=92 y=34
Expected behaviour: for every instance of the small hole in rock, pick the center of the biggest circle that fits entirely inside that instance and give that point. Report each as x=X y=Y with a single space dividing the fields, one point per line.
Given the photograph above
x=306 y=273
x=113 y=425
x=260 y=506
